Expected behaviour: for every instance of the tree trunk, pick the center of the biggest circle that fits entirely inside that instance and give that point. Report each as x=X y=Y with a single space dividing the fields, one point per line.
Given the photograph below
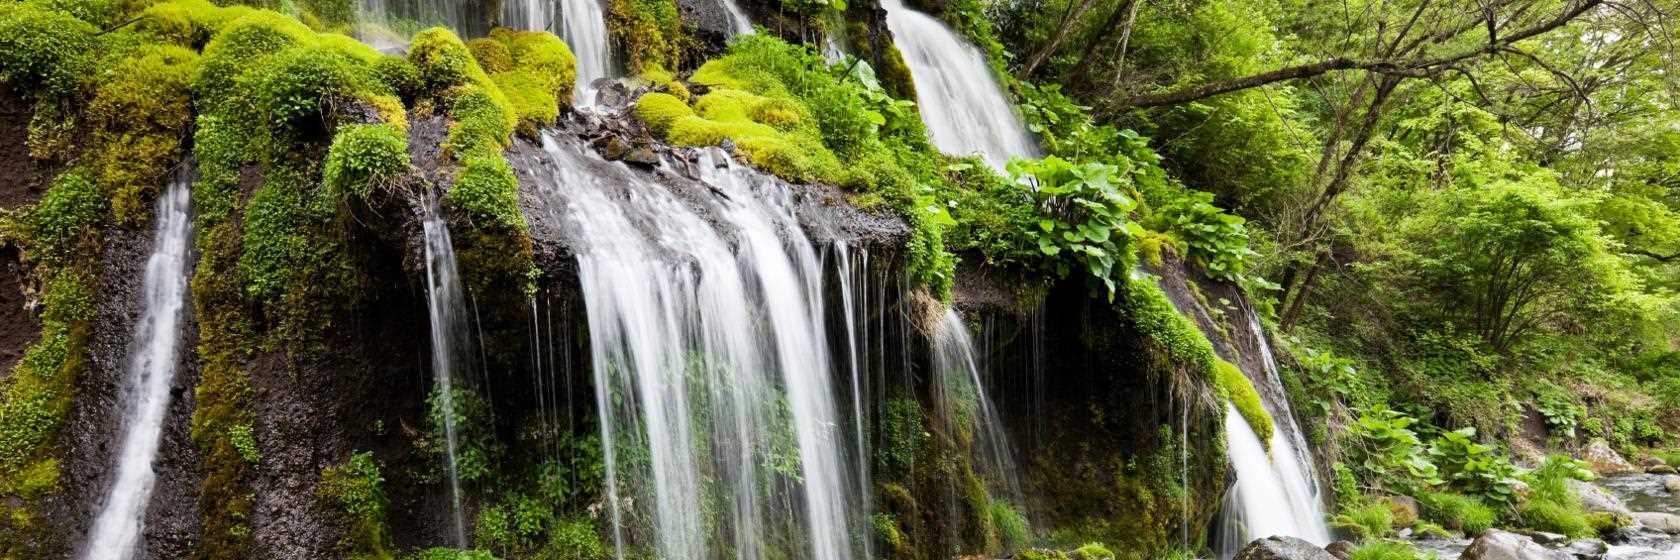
x=1114 y=20
x=1287 y=323
x=1075 y=12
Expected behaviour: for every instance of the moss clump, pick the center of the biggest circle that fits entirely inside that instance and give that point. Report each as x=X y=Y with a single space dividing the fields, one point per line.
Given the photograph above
x=44 y=54
x=492 y=55
x=365 y=157
x=139 y=115
x=444 y=61
x=356 y=487
x=1093 y=551
x=661 y=110
x=1236 y=387
x=649 y=32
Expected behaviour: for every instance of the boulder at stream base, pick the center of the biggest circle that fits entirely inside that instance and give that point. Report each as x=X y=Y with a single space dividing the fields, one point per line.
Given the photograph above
x=1595 y=498
x=1495 y=544
x=1342 y=549
x=1672 y=483
x=1282 y=548
x=1605 y=460
x=1658 y=521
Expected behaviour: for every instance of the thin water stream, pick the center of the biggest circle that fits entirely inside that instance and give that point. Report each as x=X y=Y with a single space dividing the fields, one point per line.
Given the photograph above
x=154 y=357
x=446 y=308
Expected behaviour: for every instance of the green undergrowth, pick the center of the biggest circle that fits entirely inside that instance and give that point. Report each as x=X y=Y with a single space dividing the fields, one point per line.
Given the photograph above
x=356 y=487
x=650 y=33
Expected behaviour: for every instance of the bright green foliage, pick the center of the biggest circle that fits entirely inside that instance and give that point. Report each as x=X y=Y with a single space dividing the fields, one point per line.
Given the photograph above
x=1009 y=523
x=1236 y=387
x=1372 y=520
x=1473 y=467
x=138 y=113
x=492 y=55
x=440 y=553
x=1082 y=217
x=660 y=110
x=1093 y=551
x=536 y=78
x=363 y=158
x=1386 y=550
x=1553 y=517
x=1213 y=240
x=1388 y=452
x=649 y=32
x=356 y=486
x=1458 y=512
x=444 y=61
x=44 y=54
x=1552 y=505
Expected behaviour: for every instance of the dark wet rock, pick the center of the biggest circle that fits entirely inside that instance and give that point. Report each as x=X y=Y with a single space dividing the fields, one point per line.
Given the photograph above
x=23 y=179
x=1342 y=550
x=20 y=325
x=1658 y=521
x=1596 y=498
x=643 y=155
x=1587 y=549
x=1283 y=548
x=1495 y=544
x=1548 y=539
x=1605 y=460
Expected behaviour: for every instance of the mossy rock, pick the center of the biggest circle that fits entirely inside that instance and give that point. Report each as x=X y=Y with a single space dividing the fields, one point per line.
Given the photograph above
x=1236 y=387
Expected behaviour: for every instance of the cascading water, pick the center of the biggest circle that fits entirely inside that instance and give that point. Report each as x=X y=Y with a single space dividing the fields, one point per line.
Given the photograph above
x=415 y=14
x=1275 y=493
x=446 y=308
x=582 y=24
x=965 y=110
x=958 y=384
x=711 y=364
x=153 y=358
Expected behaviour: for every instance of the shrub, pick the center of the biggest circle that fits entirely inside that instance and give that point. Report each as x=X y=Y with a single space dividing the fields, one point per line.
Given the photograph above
x=364 y=157
x=1082 y=217
x=356 y=486
x=1458 y=512
x=1011 y=525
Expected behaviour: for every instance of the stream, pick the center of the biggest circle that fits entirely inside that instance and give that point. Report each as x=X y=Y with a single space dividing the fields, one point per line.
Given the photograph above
x=1640 y=492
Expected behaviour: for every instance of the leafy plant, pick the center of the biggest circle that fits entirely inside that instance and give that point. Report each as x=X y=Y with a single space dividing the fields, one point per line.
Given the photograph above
x=1474 y=467
x=1388 y=451
x=1082 y=218
x=1214 y=240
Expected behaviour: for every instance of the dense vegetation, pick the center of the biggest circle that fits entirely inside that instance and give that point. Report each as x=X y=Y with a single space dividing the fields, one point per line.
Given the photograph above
x=1459 y=223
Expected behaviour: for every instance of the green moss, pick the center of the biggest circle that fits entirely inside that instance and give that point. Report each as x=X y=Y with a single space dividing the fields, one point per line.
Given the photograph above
x=365 y=157
x=660 y=110
x=356 y=487
x=649 y=32
x=482 y=122
x=1371 y=520
x=486 y=190
x=137 y=116
x=1093 y=551
x=444 y=61
x=1236 y=387
x=492 y=55
x=44 y=54
x=1604 y=522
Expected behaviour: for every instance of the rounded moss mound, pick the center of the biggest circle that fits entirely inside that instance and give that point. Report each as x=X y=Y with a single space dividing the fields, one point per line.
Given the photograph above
x=1236 y=387
x=661 y=110
x=492 y=55
x=43 y=51
x=443 y=60
x=364 y=157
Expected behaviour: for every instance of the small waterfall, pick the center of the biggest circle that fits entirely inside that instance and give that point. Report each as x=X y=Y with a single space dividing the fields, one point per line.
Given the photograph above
x=854 y=305
x=413 y=15
x=1275 y=492
x=958 y=384
x=965 y=110
x=445 y=306
x=719 y=416
x=153 y=358
x=582 y=24
x=739 y=23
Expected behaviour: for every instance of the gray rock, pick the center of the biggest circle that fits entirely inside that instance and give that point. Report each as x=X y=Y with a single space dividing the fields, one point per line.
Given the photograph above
x=1658 y=521
x=1596 y=498
x=1605 y=460
x=1495 y=544
x=1548 y=539
x=1341 y=549
x=1672 y=483
x=1283 y=548
x=1648 y=461
x=1660 y=469
x=1588 y=549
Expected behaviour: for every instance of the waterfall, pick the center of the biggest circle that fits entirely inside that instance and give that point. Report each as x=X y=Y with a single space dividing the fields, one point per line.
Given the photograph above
x=854 y=305
x=1275 y=492
x=965 y=110
x=958 y=384
x=446 y=308
x=583 y=25
x=153 y=358
x=416 y=14
x=718 y=413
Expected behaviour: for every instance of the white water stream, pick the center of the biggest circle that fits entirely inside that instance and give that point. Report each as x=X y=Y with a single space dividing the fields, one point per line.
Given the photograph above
x=446 y=308
x=712 y=372
x=153 y=359
x=965 y=110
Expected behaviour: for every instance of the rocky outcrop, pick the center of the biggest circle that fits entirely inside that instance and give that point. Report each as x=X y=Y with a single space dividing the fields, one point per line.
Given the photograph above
x=1658 y=521
x=1495 y=544
x=1283 y=548
x=1605 y=460
x=1596 y=498
x=1342 y=550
